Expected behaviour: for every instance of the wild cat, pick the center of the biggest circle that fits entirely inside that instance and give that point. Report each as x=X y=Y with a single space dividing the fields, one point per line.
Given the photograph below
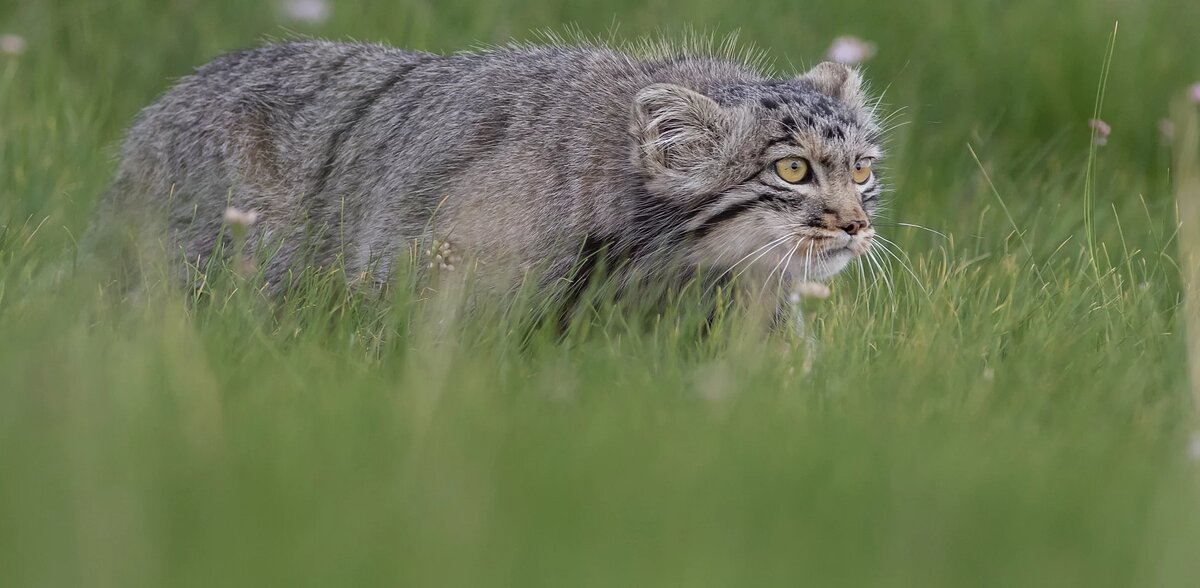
x=520 y=157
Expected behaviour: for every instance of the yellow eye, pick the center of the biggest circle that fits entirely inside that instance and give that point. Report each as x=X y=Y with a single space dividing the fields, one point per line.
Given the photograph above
x=862 y=171
x=792 y=170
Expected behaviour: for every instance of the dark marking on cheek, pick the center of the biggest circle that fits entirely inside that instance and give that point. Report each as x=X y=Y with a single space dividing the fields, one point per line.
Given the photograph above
x=773 y=188
x=734 y=210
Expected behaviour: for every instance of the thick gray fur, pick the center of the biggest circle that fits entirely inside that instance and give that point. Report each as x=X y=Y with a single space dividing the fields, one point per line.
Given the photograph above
x=518 y=157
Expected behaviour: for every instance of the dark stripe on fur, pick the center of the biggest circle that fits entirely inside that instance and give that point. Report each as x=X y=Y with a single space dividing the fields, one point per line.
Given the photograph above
x=594 y=253
x=732 y=211
x=357 y=113
x=337 y=65
x=305 y=99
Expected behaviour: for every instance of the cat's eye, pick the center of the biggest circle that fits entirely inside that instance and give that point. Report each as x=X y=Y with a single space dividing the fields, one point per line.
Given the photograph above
x=862 y=171
x=793 y=170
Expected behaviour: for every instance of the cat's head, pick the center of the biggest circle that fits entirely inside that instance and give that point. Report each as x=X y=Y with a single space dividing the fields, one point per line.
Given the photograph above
x=776 y=174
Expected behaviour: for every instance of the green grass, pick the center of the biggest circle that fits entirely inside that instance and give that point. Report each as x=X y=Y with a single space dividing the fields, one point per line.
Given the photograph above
x=1023 y=423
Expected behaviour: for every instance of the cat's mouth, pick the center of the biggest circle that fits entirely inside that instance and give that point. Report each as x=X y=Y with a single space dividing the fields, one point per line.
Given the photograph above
x=824 y=241
x=807 y=254
x=822 y=254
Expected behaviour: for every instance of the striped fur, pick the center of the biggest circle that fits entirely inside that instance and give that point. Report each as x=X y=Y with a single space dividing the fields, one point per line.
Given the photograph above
x=521 y=157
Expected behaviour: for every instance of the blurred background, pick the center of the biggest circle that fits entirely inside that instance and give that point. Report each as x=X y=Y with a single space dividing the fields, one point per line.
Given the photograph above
x=1018 y=79
x=1012 y=410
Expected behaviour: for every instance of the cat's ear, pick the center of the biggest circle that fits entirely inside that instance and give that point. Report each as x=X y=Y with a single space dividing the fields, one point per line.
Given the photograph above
x=838 y=81
x=679 y=130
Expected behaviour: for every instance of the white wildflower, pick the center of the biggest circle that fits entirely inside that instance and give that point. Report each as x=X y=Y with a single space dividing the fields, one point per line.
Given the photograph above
x=240 y=218
x=809 y=290
x=850 y=50
x=1194 y=92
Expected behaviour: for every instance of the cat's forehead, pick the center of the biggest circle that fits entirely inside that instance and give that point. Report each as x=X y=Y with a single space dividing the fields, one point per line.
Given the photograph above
x=797 y=107
x=799 y=95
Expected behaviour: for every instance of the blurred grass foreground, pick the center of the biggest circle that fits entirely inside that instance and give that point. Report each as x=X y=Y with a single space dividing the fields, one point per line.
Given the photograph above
x=1012 y=407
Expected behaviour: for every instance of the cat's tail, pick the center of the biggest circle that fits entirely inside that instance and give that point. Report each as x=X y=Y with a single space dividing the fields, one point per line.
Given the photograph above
x=122 y=248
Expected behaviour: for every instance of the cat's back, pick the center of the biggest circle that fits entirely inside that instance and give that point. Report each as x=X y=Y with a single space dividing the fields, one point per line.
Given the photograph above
x=315 y=120
x=320 y=87
x=287 y=104
x=367 y=142
x=275 y=89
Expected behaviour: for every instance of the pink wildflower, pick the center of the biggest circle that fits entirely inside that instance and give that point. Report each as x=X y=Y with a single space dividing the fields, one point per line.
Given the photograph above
x=1101 y=131
x=12 y=45
x=1166 y=130
x=307 y=11
x=850 y=50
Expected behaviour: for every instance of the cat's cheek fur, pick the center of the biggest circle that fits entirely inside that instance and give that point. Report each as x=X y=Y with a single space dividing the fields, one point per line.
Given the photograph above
x=830 y=265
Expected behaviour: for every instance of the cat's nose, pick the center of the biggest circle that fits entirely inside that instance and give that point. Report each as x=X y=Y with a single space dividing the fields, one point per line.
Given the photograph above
x=855 y=226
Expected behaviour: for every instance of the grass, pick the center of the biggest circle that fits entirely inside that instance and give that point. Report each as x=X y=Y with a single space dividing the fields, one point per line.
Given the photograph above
x=1015 y=412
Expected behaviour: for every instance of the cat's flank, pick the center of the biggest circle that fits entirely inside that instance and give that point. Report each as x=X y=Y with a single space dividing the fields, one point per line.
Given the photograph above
x=521 y=157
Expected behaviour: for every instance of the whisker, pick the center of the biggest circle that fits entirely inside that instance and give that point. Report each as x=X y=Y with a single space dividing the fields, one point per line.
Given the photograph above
x=748 y=255
x=884 y=246
x=807 y=263
x=916 y=226
x=887 y=282
x=783 y=274
x=903 y=123
x=782 y=262
x=873 y=285
x=778 y=242
x=882 y=94
x=864 y=287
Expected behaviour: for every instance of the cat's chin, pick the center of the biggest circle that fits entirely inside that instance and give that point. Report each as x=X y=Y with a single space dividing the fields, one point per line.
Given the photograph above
x=830 y=265
x=833 y=258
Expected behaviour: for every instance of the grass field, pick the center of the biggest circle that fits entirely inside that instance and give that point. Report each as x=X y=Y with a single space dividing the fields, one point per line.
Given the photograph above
x=1016 y=411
